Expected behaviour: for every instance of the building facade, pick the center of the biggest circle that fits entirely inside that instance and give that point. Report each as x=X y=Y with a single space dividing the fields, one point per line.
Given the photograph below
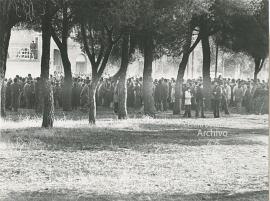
x=25 y=50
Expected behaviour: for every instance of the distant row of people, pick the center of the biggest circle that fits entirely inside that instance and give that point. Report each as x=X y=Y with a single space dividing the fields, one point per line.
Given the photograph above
x=226 y=94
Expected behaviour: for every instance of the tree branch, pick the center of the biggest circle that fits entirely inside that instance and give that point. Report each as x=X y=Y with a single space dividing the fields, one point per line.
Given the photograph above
x=101 y=52
x=56 y=38
x=65 y=25
x=117 y=39
x=261 y=65
x=198 y=39
x=105 y=59
x=92 y=45
x=86 y=47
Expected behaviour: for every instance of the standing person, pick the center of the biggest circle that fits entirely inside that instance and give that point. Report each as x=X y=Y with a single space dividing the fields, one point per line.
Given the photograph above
x=84 y=97
x=158 y=96
x=232 y=85
x=247 y=100
x=199 y=98
x=253 y=88
x=57 y=94
x=228 y=92
x=115 y=97
x=100 y=92
x=15 y=94
x=238 y=98
x=75 y=94
x=22 y=82
x=27 y=93
x=173 y=94
x=165 y=94
x=187 y=103
x=137 y=91
x=170 y=94
x=33 y=49
x=3 y=98
x=8 y=95
x=225 y=96
x=130 y=93
x=217 y=96
x=258 y=98
x=265 y=98
x=32 y=98
x=38 y=95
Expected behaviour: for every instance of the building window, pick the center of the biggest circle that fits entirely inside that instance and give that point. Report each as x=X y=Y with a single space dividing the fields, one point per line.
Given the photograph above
x=57 y=61
x=25 y=54
x=81 y=67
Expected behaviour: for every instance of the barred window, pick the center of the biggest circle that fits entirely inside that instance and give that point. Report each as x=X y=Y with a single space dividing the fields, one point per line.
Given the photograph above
x=25 y=53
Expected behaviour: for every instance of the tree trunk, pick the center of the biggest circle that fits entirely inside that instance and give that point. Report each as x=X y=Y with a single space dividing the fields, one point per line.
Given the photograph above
x=92 y=102
x=48 y=107
x=216 y=64
x=255 y=77
x=63 y=47
x=4 y=40
x=179 y=84
x=206 y=69
x=67 y=89
x=181 y=71
x=258 y=67
x=148 y=98
x=122 y=85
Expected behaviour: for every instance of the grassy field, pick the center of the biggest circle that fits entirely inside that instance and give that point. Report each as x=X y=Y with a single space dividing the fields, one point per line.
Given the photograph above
x=168 y=158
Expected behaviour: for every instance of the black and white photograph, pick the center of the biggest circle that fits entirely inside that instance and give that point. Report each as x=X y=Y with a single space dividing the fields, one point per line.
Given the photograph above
x=134 y=100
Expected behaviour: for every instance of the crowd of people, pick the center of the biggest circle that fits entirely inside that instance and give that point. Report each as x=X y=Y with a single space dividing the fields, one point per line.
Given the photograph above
x=228 y=95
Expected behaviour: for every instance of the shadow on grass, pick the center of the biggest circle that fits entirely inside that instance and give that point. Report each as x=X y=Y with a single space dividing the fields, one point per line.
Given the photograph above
x=74 y=196
x=115 y=138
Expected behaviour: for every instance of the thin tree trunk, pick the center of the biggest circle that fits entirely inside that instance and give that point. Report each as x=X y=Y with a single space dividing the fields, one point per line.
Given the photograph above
x=67 y=89
x=63 y=47
x=258 y=67
x=148 y=99
x=206 y=69
x=92 y=102
x=48 y=107
x=257 y=64
x=179 y=84
x=122 y=99
x=4 y=40
x=96 y=75
x=181 y=72
x=98 y=67
x=216 y=64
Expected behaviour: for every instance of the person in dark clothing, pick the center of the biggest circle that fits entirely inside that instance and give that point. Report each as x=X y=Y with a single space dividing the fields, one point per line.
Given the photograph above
x=27 y=93
x=15 y=94
x=57 y=95
x=165 y=94
x=3 y=98
x=130 y=93
x=9 y=95
x=247 y=100
x=188 y=103
x=217 y=96
x=224 y=101
x=199 y=99
x=32 y=98
x=75 y=94
x=38 y=95
x=158 y=96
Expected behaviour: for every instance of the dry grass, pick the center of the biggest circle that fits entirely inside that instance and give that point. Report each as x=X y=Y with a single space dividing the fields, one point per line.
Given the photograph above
x=135 y=159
